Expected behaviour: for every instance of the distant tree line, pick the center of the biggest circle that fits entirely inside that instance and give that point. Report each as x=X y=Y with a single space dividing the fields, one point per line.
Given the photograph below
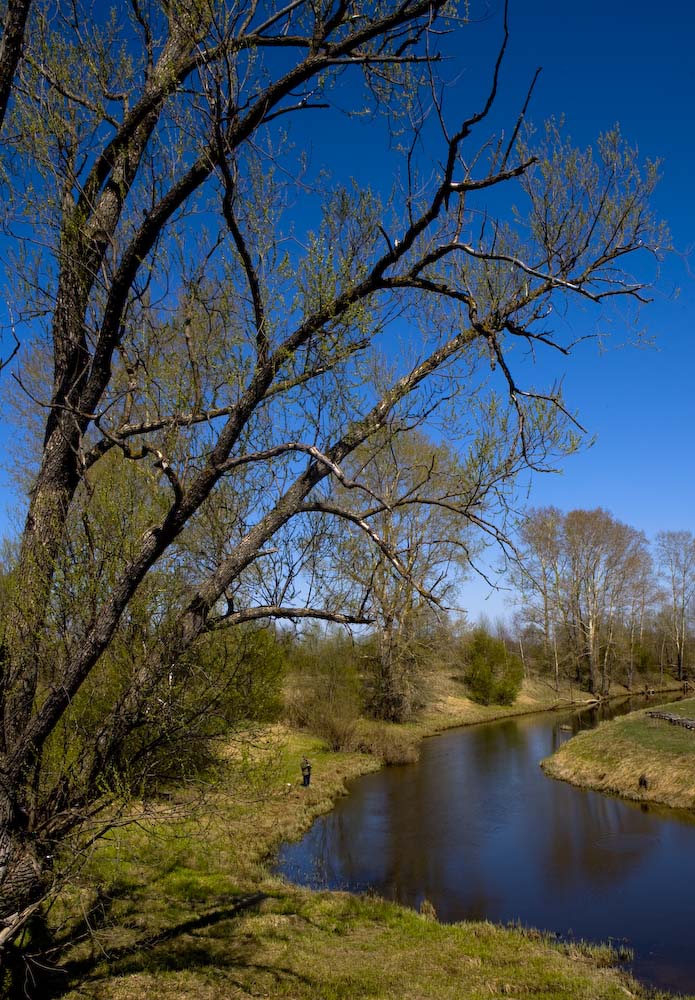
x=598 y=603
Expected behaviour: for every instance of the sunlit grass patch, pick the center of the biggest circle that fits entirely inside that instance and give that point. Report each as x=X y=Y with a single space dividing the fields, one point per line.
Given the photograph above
x=334 y=946
x=635 y=756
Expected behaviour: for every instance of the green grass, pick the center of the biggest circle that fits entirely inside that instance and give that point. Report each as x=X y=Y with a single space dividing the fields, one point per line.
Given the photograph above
x=322 y=946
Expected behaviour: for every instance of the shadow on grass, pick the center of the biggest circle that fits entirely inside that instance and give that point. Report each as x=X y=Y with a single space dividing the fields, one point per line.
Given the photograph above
x=40 y=980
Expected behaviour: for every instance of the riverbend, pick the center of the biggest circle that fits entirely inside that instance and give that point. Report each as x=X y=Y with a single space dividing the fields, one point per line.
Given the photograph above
x=479 y=831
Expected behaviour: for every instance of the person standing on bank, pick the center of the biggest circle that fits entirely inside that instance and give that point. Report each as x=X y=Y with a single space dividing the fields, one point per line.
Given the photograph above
x=306 y=772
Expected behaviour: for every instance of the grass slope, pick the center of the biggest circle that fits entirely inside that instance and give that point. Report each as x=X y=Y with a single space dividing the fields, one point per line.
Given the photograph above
x=613 y=757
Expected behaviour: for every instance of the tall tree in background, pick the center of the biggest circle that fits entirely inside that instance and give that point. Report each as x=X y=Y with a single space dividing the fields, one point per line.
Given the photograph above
x=580 y=577
x=215 y=359
x=407 y=541
x=537 y=575
x=675 y=556
x=640 y=594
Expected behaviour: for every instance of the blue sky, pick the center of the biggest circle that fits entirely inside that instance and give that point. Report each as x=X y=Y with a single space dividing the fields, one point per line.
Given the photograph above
x=632 y=63
x=602 y=63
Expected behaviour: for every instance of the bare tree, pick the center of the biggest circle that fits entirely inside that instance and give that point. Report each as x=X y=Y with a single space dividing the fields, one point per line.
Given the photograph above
x=675 y=553
x=409 y=507
x=582 y=576
x=639 y=600
x=215 y=360
x=537 y=575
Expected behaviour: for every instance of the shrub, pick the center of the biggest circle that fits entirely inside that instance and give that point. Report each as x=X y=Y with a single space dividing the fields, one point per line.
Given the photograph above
x=323 y=694
x=390 y=745
x=224 y=683
x=493 y=675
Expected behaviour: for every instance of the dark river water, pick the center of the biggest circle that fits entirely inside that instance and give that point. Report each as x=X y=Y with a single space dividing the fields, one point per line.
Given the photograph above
x=476 y=828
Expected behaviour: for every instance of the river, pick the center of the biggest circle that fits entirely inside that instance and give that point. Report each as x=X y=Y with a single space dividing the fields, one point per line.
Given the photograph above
x=476 y=828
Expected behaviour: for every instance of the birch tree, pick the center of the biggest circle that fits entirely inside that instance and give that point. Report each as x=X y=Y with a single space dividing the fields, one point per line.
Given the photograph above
x=583 y=578
x=675 y=553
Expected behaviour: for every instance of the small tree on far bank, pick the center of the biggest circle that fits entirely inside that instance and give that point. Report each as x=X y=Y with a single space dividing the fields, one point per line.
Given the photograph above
x=493 y=674
x=418 y=501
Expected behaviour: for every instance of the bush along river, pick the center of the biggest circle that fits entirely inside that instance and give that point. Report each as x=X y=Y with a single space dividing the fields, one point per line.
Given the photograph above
x=476 y=828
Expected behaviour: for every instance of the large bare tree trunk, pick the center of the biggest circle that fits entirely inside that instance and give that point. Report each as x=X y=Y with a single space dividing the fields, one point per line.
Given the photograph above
x=24 y=876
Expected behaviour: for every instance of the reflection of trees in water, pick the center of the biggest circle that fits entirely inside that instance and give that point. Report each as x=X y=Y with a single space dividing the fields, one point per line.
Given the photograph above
x=594 y=841
x=434 y=820
x=326 y=855
x=592 y=838
x=321 y=859
x=492 y=754
x=386 y=841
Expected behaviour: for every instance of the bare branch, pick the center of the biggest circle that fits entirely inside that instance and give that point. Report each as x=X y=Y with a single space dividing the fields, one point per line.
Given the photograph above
x=275 y=611
x=392 y=556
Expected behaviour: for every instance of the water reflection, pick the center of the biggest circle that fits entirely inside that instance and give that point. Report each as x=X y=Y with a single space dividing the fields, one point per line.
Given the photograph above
x=478 y=829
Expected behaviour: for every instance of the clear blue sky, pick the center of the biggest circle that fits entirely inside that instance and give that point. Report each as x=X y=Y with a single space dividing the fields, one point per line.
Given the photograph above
x=632 y=63
x=627 y=62
x=602 y=63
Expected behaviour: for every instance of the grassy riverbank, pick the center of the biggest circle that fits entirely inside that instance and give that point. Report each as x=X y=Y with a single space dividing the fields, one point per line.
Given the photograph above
x=613 y=758
x=185 y=908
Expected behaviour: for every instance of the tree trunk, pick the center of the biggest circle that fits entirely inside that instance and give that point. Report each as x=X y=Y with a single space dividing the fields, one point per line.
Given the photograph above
x=25 y=877
x=11 y=48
